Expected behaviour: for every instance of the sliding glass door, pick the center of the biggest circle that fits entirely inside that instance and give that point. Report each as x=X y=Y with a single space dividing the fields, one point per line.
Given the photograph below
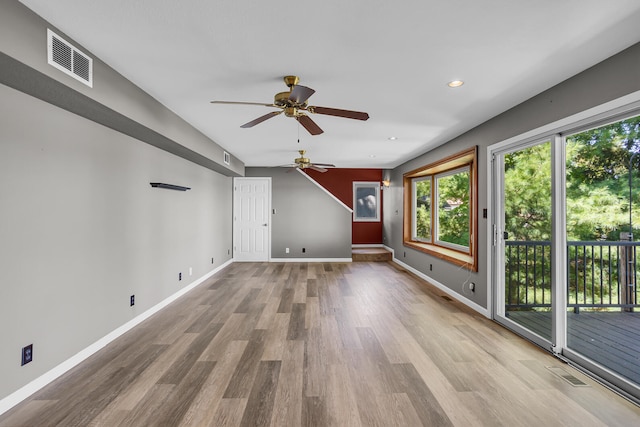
x=566 y=220
x=523 y=238
x=603 y=223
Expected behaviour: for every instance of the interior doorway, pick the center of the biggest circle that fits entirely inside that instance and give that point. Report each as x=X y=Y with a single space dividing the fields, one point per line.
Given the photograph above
x=251 y=219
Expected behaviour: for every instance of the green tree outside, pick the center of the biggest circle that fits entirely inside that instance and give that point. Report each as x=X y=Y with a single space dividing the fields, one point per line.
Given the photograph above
x=597 y=199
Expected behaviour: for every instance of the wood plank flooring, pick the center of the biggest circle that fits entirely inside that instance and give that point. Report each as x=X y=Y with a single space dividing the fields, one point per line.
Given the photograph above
x=319 y=344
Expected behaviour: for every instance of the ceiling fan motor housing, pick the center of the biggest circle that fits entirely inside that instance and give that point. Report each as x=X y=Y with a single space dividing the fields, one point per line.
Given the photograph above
x=302 y=161
x=281 y=99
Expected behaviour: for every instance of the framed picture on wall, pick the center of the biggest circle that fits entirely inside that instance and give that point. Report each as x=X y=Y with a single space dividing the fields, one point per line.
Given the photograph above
x=366 y=201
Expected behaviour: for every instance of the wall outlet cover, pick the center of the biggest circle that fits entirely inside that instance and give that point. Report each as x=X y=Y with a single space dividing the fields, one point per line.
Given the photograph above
x=27 y=354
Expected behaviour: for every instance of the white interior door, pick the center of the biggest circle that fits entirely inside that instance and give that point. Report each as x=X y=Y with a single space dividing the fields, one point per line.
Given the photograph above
x=251 y=220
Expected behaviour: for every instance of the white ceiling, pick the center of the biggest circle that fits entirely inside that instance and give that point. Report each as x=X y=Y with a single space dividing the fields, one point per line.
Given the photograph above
x=390 y=59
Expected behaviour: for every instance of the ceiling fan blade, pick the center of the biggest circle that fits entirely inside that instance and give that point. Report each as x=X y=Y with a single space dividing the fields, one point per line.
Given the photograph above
x=309 y=125
x=358 y=115
x=329 y=165
x=260 y=119
x=316 y=168
x=243 y=103
x=300 y=94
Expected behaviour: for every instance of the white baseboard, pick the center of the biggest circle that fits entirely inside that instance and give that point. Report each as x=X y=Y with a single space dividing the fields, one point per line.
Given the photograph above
x=18 y=396
x=310 y=260
x=446 y=290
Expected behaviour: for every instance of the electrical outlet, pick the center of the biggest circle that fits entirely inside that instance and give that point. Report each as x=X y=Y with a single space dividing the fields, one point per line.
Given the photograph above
x=472 y=287
x=27 y=354
x=228 y=251
x=179 y=276
x=286 y=250
x=190 y=271
x=304 y=250
x=132 y=301
x=211 y=260
x=430 y=267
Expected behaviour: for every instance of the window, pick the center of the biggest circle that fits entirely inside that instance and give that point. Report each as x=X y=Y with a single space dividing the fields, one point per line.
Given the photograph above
x=422 y=209
x=440 y=215
x=366 y=201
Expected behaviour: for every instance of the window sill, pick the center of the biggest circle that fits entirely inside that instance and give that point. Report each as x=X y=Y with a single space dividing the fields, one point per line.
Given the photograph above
x=450 y=255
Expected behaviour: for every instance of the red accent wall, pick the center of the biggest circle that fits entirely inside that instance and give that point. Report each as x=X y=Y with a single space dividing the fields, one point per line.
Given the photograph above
x=339 y=182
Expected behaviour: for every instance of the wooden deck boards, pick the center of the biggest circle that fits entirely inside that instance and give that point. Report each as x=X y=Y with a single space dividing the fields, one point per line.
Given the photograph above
x=319 y=344
x=611 y=339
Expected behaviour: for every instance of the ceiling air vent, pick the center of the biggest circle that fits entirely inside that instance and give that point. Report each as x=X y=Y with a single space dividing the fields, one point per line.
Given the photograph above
x=227 y=158
x=65 y=57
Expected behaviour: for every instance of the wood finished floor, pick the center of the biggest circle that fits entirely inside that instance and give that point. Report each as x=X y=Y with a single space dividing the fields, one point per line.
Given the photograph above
x=319 y=344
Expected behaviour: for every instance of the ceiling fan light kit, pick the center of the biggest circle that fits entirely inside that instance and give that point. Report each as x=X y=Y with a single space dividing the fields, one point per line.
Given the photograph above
x=294 y=104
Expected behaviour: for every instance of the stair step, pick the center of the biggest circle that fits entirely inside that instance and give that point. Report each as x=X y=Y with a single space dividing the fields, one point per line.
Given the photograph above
x=370 y=254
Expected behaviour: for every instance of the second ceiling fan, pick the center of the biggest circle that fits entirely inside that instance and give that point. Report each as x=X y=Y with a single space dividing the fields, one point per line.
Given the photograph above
x=294 y=104
x=303 y=163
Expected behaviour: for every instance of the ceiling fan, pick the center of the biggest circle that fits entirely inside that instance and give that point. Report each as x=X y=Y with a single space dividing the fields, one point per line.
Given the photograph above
x=294 y=104
x=303 y=162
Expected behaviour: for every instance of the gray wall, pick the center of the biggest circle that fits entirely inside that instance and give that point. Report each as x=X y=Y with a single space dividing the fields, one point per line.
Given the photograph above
x=609 y=80
x=306 y=217
x=80 y=227
x=113 y=100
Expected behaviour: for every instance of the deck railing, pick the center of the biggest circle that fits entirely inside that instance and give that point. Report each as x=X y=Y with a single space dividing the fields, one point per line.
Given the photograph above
x=600 y=275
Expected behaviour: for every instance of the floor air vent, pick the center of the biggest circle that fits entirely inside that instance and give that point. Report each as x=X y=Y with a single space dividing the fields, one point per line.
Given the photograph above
x=567 y=376
x=65 y=57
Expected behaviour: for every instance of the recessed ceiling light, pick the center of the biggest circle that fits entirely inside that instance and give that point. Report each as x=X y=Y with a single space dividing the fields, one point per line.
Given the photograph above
x=373 y=156
x=392 y=138
x=455 y=83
